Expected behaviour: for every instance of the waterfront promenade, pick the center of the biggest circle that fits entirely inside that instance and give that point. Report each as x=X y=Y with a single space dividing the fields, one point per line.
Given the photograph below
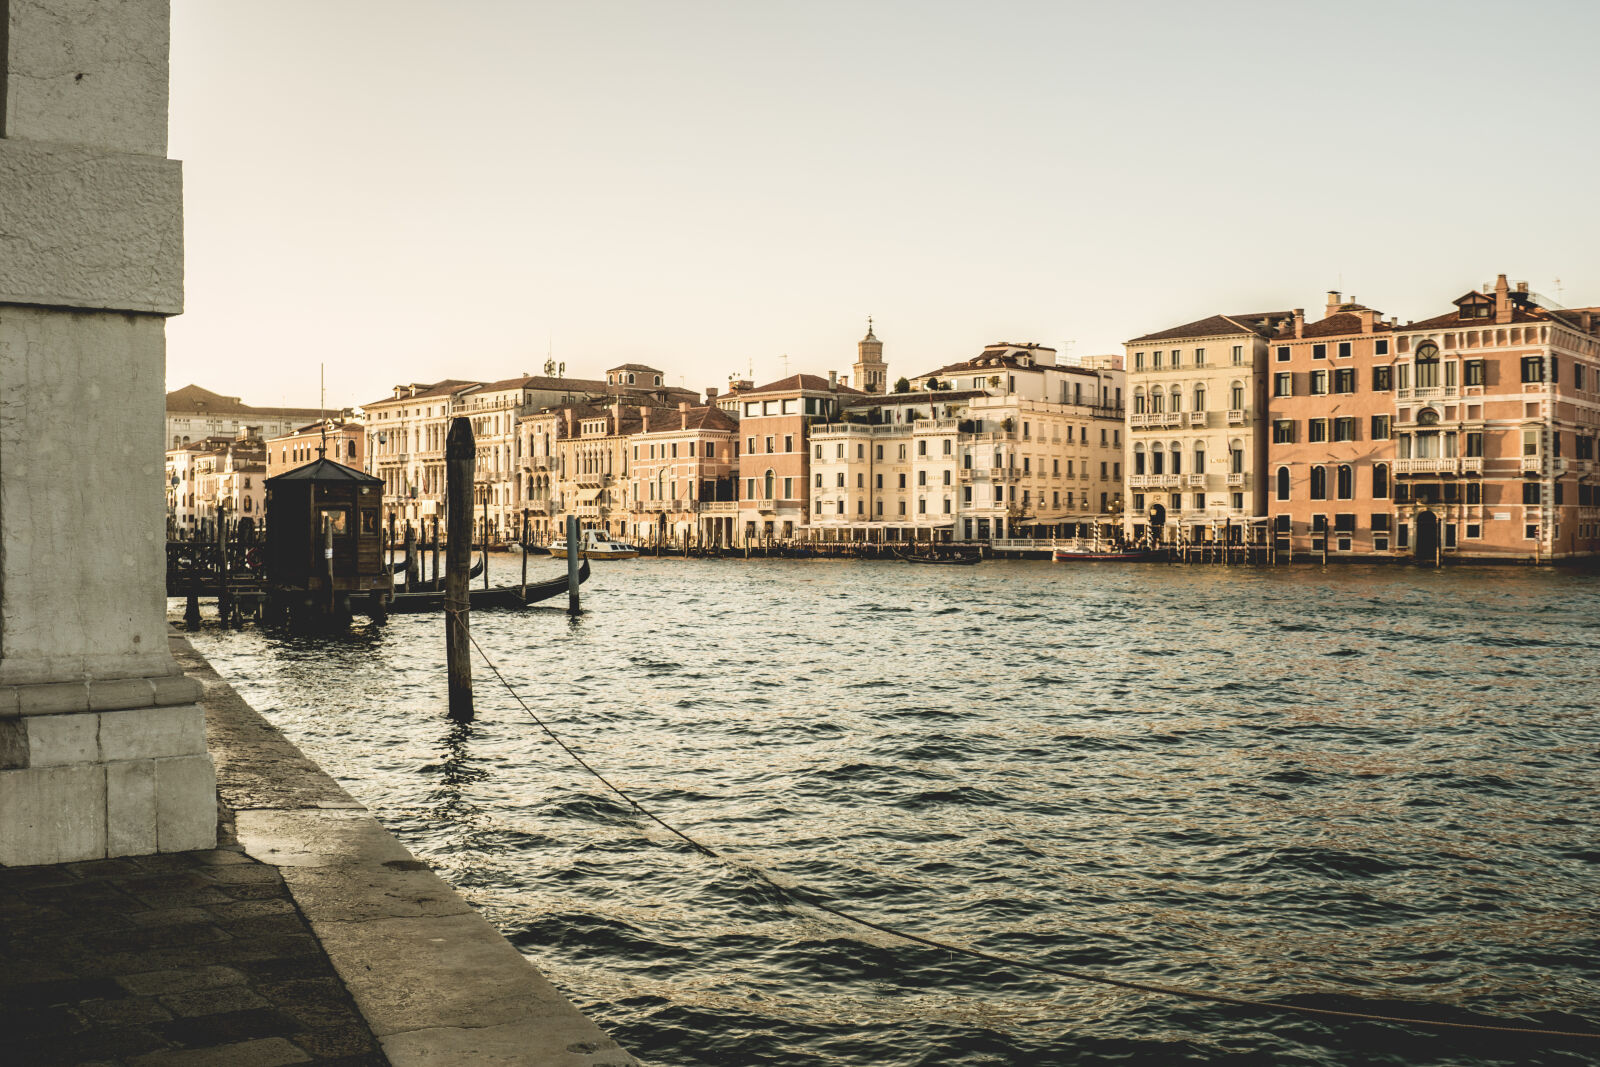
x=308 y=936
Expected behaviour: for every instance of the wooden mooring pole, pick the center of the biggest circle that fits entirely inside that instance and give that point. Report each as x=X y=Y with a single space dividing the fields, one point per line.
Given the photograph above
x=459 y=451
x=574 y=556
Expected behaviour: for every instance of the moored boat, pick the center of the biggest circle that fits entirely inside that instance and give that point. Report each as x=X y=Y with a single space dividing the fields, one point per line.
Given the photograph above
x=595 y=544
x=954 y=559
x=500 y=596
x=1104 y=555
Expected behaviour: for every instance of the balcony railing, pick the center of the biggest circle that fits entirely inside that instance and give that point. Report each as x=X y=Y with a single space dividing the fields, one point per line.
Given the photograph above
x=1138 y=481
x=1236 y=481
x=719 y=507
x=1195 y=481
x=1170 y=481
x=1442 y=465
x=1197 y=418
x=1236 y=416
x=1531 y=464
x=1137 y=420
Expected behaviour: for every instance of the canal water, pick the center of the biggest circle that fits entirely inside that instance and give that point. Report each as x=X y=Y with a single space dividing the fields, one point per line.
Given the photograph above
x=1371 y=789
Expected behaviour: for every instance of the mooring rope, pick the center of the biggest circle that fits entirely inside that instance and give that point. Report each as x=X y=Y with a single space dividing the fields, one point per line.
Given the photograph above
x=812 y=899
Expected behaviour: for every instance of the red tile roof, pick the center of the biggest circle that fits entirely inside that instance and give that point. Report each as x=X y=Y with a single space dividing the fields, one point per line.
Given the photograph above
x=796 y=382
x=1216 y=325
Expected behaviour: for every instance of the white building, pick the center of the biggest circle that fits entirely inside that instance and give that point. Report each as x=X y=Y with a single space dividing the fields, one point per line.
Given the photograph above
x=1197 y=426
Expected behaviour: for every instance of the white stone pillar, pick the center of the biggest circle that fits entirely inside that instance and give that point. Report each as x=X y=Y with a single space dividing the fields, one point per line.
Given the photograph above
x=102 y=743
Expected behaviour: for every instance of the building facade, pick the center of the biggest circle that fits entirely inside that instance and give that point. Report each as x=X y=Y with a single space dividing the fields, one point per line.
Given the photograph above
x=1196 y=428
x=1474 y=432
x=774 y=460
x=345 y=442
x=194 y=414
x=684 y=480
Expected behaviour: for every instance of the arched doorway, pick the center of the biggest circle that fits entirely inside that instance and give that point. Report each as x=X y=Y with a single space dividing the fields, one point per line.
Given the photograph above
x=1426 y=543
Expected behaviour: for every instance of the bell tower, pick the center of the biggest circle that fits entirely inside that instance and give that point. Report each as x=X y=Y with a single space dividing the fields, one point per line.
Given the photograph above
x=871 y=372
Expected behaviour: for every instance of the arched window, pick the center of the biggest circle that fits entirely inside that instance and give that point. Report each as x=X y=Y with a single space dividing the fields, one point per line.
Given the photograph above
x=1177 y=399
x=1346 y=485
x=1176 y=448
x=1236 y=396
x=1199 y=398
x=1380 y=481
x=1199 y=458
x=1283 y=483
x=1157 y=458
x=1155 y=401
x=1138 y=458
x=1427 y=361
x=1138 y=407
x=350 y=449
x=1319 y=483
x=768 y=482
x=1235 y=457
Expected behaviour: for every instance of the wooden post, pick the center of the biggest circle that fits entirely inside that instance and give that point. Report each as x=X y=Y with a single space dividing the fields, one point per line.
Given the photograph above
x=435 y=549
x=224 y=595
x=523 y=540
x=459 y=451
x=412 y=576
x=486 y=539
x=574 y=552
x=327 y=565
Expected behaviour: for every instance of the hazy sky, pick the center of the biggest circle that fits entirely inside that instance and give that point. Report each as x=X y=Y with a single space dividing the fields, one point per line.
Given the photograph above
x=409 y=190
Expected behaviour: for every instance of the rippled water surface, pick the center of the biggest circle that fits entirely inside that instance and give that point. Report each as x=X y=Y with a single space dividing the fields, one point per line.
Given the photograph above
x=1368 y=789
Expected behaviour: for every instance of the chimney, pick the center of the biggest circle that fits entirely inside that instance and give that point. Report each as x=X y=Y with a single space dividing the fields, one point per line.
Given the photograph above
x=644 y=419
x=711 y=394
x=1522 y=287
x=568 y=413
x=833 y=380
x=683 y=414
x=1333 y=302
x=1299 y=322
x=1502 y=300
x=1369 y=319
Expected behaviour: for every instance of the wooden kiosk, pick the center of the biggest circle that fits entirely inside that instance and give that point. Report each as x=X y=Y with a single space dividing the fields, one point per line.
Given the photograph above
x=324 y=546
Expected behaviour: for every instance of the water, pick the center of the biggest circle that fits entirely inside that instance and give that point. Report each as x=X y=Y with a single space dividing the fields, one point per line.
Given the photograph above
x=1360 y=788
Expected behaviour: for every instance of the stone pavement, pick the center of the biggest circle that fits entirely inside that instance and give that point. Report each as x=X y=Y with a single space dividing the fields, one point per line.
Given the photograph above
x=310 y=936
x=181 y=959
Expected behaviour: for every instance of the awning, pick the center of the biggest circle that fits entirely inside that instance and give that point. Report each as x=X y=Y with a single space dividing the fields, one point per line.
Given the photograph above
x=588 y=496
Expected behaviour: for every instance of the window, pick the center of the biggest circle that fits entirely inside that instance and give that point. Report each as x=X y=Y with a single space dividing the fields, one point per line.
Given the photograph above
x=1319 y=383
x=1282 y=353
x=1475 y=442
x=1381 y=427
x=1138 y=361
x=1531 y=531
x=750 y=447
x=922 y=477
x=1238 y=355
x=788 y=443
x=1319 y=351
x=1344 y=429
x=947 y=477
x=1316 y=429
x=1345 y=484
x=1344 y=349
x=1530 y=442
x=902 y=481
x=1344 y=380
x=1532 y=369
x=1380 y=348
x=1380 y=481
x=1472 y=372
x=769 y=444
x=1199 y=398
x=1236 y=396
x=1474 y=492
x=1200 y=358
x=1283 y=483
x=840 y=476
x=1530 y=492
x=1282 y=384
x=1282 y=431
x=922 y=448
x=1382 y=379
x=861 y=480
x=1155 y=360
x=1319 y=483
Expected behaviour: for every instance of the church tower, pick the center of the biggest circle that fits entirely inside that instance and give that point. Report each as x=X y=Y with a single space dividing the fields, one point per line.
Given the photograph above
x=872 y=373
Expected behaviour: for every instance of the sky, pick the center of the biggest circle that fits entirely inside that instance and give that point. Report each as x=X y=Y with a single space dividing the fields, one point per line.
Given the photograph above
x=411 y=190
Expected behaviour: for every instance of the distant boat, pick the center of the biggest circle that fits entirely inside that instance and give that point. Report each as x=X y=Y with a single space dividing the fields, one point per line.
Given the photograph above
x=953 y=560
x=430 y=586
x=500 y=596
x=595 y=544
x=1105 y=555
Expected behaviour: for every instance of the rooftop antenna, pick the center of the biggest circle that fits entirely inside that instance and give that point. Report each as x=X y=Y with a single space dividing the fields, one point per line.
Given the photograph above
x=1559 y=289
x=322 y=402
x=786 y=364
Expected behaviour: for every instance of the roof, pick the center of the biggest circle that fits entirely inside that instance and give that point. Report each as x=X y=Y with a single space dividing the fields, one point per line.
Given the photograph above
x=447 y=387
x=916 y=396
x=699 y=418
x=796 y=382
x=195 y=400
x=635 y=366
x=1213 y=326
x=536 y=381
x=325 y=470
x=1341 y=324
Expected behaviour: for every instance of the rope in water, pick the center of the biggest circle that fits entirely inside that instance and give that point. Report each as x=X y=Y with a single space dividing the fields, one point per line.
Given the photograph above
x=812 y=899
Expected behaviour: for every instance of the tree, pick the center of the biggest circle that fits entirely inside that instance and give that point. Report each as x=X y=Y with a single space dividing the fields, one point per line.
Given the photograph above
x=933 y=383
x=902 y=384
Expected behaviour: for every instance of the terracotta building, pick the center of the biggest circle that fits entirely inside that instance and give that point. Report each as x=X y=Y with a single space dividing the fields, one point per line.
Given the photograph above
x=774 y=500
x=684 y=478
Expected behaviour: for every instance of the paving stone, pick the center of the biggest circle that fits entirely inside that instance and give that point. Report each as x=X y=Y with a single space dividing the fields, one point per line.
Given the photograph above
x=112 y=868
x=123 y=1012
x=155 y=983
x=338 y=1042
x=253 y=872
x=226 y=1027
x=140 y=940
x=250 y=909
x=214 y=1001
x=264 y=1052
x=172 y=916
x=66 y=991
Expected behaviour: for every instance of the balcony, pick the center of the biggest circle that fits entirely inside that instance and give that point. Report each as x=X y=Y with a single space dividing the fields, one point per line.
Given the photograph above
x=592 y=480
x=1428 y=392
x=719 y=507
x=1472 y=465
x=1428 y=466
x=1170 y=481
x=1236 y=416
x=1171 y=419
x=1004 y=474
x=1197 y=418
x=1138 y=481
x=1236 y=481
x=969 y=474
x=1531 y=465
x=1194 y=481
x=1137 y=420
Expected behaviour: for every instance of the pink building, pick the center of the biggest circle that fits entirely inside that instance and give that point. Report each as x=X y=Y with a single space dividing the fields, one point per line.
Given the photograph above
x=683 y=476
x=774 y=460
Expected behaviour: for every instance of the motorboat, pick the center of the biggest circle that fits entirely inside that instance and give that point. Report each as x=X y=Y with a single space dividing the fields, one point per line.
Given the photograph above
x=595 y=544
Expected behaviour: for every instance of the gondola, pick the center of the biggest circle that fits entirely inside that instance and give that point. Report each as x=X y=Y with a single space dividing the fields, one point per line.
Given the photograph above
x=962 y=560
x=500 y=596
x=431 y=586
